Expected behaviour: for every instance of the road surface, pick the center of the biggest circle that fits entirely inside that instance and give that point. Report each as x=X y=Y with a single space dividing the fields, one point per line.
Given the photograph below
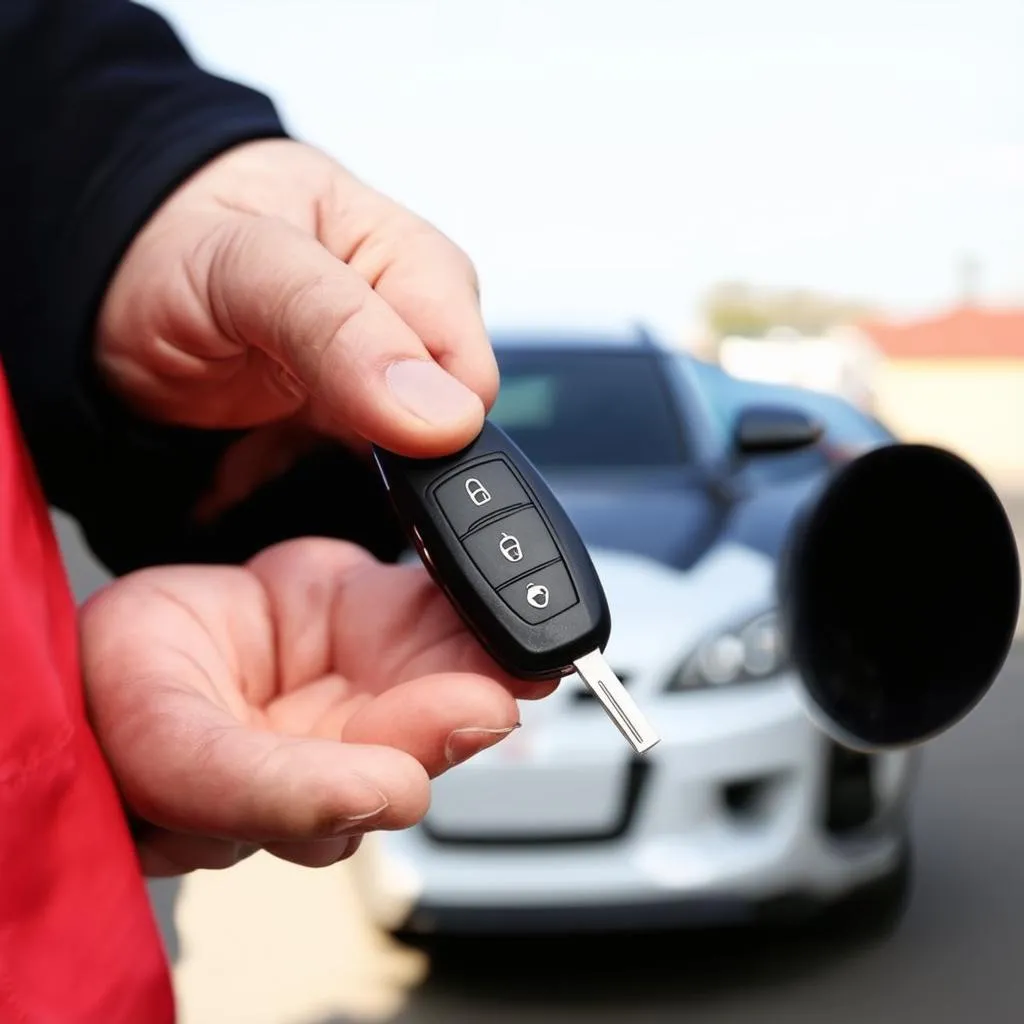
x=270 y=943
x=958 y=955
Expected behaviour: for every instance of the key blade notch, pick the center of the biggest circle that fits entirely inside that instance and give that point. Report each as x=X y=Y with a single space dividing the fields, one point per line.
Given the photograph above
x=618 y=705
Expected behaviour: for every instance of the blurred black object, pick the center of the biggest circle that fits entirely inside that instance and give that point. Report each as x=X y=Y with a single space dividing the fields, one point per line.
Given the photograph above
x=899 y=595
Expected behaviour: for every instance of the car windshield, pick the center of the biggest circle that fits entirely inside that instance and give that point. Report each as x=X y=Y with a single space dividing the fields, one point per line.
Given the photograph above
x=588 y=410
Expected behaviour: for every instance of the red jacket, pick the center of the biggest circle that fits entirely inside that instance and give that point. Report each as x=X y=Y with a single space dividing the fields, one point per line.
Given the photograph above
x=78 y=940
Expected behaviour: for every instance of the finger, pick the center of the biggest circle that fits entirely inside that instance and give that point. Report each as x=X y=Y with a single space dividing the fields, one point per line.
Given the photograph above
x=317 y=854
x=433 y=287
x=275 y=288
x=185 y=764
x=165 y=854
x=441 y=720
x=421 y=634
x=335 y=607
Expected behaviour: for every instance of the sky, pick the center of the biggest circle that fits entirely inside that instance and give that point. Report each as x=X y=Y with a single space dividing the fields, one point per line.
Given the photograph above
x=608 y=162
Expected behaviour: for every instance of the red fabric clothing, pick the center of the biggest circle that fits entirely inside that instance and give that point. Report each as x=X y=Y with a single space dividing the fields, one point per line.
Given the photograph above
x=78 y=940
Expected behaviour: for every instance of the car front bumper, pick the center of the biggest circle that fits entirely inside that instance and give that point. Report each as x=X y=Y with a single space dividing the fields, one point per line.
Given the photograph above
x=731 y=814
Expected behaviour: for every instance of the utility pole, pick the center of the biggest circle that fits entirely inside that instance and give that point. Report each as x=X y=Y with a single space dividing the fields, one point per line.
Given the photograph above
x=969 y=274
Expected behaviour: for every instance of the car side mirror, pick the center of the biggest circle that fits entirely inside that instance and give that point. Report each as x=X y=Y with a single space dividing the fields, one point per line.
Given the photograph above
x=764 y=429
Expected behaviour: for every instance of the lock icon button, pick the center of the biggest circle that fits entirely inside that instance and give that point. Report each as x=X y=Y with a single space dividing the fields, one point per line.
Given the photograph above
x=478 y=494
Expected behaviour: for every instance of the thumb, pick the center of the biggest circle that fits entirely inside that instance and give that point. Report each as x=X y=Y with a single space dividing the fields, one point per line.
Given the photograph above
x=189 y=766
x=275 y=288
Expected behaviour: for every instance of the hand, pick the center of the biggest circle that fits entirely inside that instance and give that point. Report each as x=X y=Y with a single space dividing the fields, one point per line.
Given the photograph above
x=292 y=704
x=275 y=290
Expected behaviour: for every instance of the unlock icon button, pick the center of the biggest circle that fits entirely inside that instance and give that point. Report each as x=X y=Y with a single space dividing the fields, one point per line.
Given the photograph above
x=511 y=547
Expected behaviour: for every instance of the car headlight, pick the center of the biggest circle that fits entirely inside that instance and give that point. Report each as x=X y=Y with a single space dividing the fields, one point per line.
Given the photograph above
x=752 y=651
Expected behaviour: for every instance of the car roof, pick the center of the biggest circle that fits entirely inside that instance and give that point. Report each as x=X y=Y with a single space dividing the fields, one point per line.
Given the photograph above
x=635 y=338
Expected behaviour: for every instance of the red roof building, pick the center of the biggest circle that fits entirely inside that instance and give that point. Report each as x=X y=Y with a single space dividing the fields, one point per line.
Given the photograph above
x=968 y=332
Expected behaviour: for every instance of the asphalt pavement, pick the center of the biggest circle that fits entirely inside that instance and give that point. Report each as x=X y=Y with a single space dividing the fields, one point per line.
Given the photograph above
x=957 y=955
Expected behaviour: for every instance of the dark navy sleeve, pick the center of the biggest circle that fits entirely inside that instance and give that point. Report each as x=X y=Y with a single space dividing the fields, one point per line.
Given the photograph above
x=106 y=114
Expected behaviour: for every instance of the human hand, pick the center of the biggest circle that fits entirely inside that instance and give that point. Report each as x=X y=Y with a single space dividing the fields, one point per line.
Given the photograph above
x=274 y=290
x=293 y=704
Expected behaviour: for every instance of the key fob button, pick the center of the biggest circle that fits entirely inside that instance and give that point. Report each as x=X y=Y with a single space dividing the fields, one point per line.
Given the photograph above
x=541 y=595
x=478 y=492
x=510 y=547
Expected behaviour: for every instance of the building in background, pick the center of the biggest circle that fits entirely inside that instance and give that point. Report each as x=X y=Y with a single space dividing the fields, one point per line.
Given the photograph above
x=842 y=361
x=957 y=379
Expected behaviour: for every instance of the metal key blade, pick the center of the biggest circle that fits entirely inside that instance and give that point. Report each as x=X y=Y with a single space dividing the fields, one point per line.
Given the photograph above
x=617 y=703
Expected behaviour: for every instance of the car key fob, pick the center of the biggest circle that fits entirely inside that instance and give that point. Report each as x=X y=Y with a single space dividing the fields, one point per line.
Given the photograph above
x=501 y=547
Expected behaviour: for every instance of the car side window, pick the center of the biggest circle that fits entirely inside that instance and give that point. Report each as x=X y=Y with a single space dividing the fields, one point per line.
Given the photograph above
x=700 y=382
x=724 y=397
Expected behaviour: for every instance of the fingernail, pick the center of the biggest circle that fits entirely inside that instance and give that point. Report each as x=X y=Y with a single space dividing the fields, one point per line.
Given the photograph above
x=464 y=743
x=372 y=799
x=429 y=392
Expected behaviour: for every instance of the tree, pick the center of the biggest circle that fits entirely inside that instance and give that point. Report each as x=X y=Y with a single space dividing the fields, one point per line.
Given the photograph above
x=736 y=308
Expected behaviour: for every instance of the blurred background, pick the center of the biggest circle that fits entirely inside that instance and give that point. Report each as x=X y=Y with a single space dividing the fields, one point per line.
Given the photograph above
x=816 y=205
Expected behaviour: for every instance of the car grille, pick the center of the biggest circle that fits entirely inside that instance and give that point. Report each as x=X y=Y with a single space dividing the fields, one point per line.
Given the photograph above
x=636 y=782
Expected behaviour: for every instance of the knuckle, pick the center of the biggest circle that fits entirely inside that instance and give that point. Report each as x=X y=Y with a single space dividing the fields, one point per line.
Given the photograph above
x=464 y=268
x=311 y=314
x=474 y=279
x=459 y=260
x=293 y=304
x=219 y=251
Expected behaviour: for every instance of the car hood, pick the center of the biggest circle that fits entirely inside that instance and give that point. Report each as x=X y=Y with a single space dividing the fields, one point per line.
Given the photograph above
x=659 y=613
x=672 y=522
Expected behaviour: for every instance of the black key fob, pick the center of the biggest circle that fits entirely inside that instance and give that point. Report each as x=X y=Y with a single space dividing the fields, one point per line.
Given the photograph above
x=500 y=545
